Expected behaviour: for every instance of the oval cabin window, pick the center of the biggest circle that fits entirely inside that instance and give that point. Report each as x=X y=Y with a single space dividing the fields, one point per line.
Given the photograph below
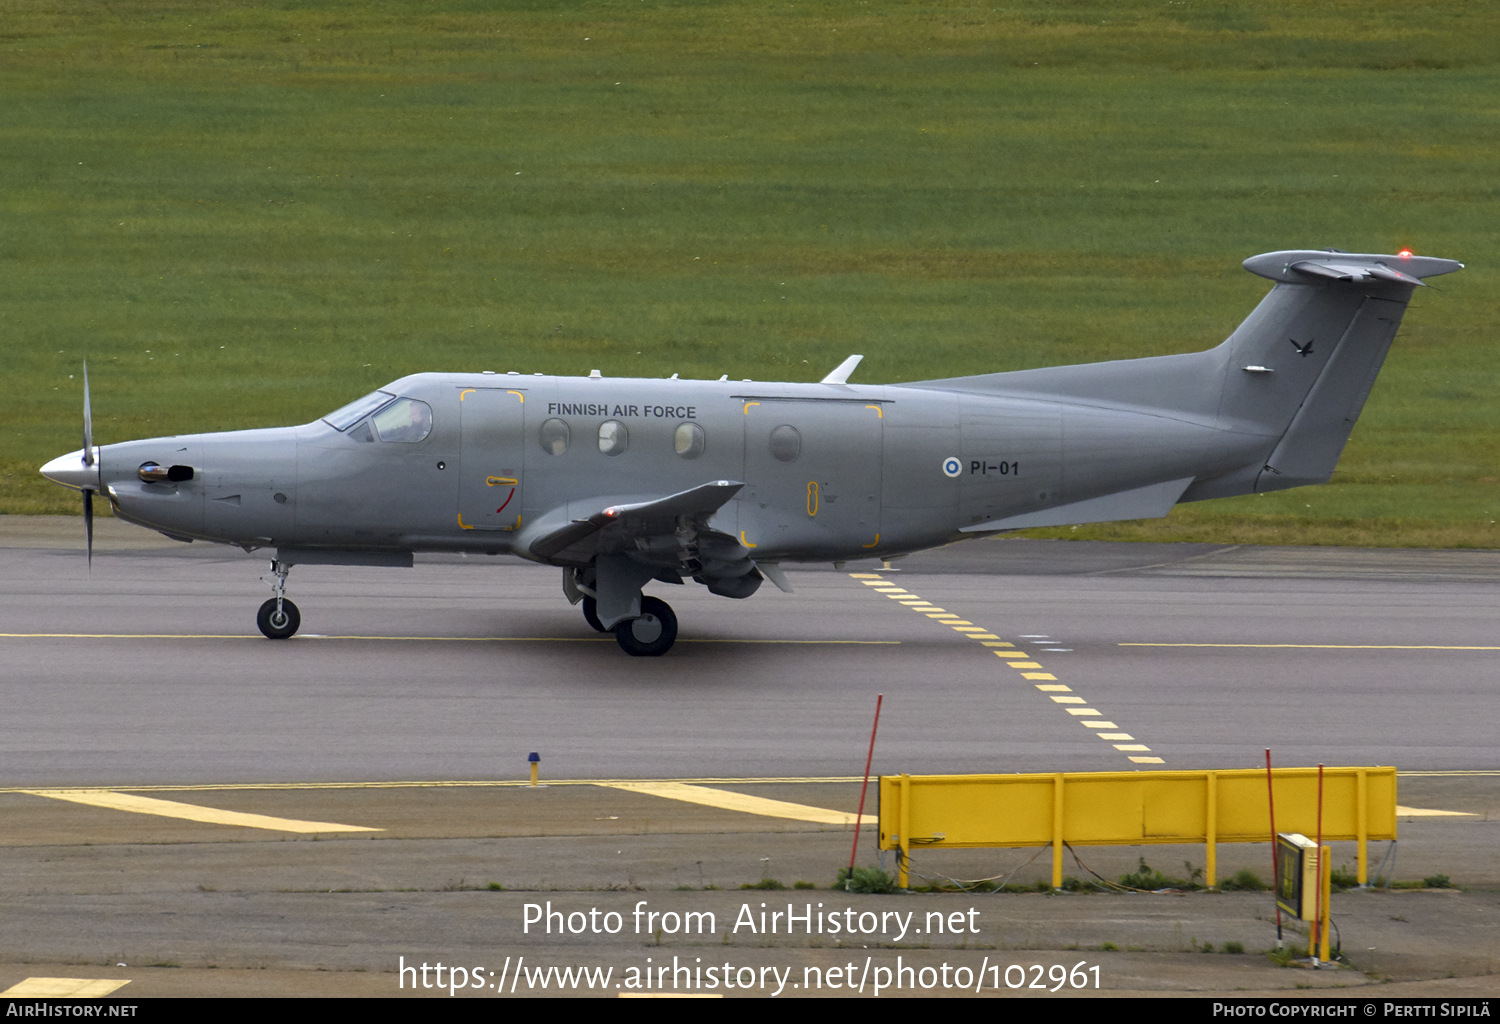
x=687 y=440
x=786 y=443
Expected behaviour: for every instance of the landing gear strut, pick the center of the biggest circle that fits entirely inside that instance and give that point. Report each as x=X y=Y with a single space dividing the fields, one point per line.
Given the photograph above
x=650 y=635
x=278 y=618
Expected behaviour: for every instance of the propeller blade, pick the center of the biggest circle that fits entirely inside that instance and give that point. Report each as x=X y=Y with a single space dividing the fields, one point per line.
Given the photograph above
x=88 y=420
x=88 y=524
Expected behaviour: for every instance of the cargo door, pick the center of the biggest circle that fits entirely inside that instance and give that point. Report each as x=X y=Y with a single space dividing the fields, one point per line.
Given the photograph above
x=812 y=478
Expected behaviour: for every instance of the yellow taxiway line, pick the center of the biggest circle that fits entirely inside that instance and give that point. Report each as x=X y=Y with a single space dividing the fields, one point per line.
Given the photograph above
x=1332 y=647
x=64 y=988
x=191 y=812
x=731 y=801
x=468 y=639
x=1427 y=812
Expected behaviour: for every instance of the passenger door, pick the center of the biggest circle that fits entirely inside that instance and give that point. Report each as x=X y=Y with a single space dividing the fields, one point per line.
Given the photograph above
x=489 y=488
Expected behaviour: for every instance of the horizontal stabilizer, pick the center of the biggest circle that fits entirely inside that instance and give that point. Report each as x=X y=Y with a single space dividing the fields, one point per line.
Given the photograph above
x=1299 y=266
x=1150 y=502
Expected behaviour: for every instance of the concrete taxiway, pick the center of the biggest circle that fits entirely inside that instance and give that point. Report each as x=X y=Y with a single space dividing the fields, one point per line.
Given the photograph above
x=146 y=679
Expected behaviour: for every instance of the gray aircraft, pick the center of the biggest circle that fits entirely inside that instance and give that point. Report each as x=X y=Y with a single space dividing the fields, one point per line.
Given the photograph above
x=621 y=482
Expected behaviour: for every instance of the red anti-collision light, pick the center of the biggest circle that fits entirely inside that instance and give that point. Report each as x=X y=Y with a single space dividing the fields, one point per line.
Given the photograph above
x=1405 y=254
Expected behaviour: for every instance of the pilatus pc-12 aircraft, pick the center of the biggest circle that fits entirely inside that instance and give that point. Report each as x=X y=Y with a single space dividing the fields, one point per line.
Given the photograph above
x=621 y=482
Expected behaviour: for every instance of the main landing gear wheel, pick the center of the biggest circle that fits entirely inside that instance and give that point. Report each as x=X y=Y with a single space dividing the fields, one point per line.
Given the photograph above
x=651 y=635
x=278 y=625
x=591 y=614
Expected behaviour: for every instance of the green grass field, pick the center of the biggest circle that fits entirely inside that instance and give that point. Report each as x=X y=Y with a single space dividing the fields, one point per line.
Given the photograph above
x=246 y=215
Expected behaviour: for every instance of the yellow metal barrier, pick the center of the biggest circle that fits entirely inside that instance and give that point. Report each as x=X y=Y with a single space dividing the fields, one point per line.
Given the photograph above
x=1133 y=809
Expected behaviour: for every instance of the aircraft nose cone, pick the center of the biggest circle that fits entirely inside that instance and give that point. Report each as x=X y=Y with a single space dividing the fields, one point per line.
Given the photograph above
x=70 y=471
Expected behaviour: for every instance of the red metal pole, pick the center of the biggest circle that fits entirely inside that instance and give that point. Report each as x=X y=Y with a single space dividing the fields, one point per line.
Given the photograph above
x=1318 y=899
x=860 y=815
x=1275 y=863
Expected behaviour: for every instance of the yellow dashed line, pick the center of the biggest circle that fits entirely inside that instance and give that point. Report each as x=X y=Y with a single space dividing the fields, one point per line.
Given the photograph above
x=1016 y=659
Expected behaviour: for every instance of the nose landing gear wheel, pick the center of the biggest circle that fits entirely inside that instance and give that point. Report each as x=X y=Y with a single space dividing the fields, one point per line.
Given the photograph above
x=651 y=635
x=591 y=614
x=278 y=625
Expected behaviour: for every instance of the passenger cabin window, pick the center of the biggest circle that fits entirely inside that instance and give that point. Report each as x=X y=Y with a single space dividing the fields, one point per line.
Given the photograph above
x=554 y=437
x=687 y=439
x=613 y=437
x=786 y=443
x=406 y=420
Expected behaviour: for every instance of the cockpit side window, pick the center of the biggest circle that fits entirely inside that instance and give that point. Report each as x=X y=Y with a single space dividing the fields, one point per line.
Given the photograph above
x=346 y=417
x=406 y=420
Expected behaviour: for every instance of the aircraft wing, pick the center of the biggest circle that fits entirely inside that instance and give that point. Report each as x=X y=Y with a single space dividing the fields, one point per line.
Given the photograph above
x=659 y=516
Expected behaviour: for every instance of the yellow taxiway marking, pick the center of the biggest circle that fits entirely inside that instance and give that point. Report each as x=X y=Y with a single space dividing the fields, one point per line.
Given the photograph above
x=1115 y=735
x=1081 y=711
x=1004 y=643
x=983 y=636
x=1425 y=812
x=730 y=801
x=1334 y=647
x=1148 y=760
x=466 y=639
x=191 y=812
x=1054 y=688
x=1068 y=700
x=1012 y=654
x=1025 y=664
x=1101 y=725
x=1033 y=675
x=1131 y=746
x=64 y=988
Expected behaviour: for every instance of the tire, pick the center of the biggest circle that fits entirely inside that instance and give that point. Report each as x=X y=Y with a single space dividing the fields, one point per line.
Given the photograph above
x=651 y=635
x=291 y=619
x=591 y=614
